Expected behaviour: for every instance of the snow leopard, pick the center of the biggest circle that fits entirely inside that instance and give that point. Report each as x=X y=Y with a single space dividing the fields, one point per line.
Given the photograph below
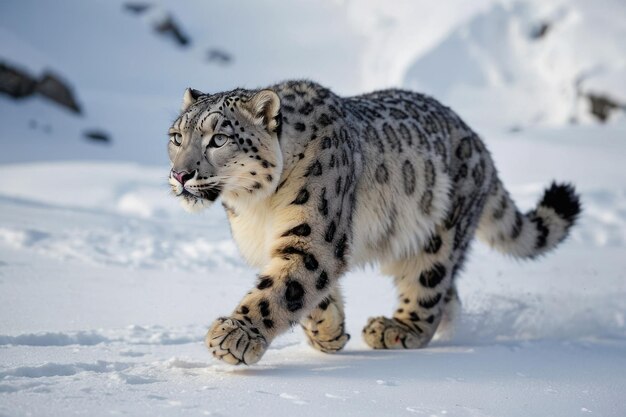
x=315 y=184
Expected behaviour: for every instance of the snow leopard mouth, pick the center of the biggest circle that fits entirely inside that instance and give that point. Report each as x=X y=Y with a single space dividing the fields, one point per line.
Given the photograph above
x=210 y=194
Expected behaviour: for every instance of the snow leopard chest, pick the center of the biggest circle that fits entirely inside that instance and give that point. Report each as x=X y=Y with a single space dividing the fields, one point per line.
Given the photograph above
x=252 y=230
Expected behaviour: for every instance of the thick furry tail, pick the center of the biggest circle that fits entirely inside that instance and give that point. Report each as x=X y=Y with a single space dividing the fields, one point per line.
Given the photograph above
x=503 y=227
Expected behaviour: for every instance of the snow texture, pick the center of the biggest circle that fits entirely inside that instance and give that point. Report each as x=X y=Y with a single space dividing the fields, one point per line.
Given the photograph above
x=107 y=286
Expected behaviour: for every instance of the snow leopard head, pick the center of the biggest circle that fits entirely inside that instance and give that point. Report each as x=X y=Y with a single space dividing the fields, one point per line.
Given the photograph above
x=225 y=145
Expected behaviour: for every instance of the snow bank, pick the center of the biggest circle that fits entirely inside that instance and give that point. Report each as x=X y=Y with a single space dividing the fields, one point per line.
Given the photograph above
x=528 y=62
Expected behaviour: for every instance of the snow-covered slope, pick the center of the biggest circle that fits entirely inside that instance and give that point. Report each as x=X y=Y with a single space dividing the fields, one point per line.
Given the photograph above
x=130 y=80
x=528 y=62
x=107 y=286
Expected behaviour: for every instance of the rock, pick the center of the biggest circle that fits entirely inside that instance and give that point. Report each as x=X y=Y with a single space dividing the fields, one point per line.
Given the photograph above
x=602 y=106
x=18 y=83
x=137 y=7
x=168 y=27
x=15 y=82
x=57 y=90
x=162 y=21
x=219 y=56
x=540 y=30
x=97 y=135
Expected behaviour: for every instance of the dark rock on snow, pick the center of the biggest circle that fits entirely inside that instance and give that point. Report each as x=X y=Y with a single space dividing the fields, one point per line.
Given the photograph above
x=18 y=83
x=15 y=82
x=602 y=106
x=57 y=90
x=219 y=56
x=137 y=7
x=96 y=135
x=540 y=30
x=170 y=28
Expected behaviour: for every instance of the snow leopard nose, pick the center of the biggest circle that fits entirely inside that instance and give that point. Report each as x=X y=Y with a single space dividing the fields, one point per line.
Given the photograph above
x=183 y=176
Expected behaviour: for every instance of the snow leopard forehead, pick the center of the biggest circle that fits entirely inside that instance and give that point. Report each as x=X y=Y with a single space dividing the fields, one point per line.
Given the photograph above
x=206 y=104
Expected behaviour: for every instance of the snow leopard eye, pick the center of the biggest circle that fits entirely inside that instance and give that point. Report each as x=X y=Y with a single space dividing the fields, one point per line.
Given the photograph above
x=218 y=140
x=176 y=138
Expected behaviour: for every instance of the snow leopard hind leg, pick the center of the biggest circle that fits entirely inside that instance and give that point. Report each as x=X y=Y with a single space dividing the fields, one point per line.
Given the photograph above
x=424 y=283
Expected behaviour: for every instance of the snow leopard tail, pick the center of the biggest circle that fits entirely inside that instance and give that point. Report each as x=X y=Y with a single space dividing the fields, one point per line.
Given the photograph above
x=506 y=229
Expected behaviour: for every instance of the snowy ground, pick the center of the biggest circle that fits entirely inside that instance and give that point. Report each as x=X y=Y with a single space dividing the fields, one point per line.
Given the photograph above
x=107 y=287
x=107 y=290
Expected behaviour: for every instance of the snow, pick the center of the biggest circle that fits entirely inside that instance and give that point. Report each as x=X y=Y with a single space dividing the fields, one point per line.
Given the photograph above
x=107 y=286
x=528 y=80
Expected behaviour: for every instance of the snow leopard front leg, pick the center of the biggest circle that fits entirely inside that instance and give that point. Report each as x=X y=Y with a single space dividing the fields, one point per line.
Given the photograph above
x=307 y=257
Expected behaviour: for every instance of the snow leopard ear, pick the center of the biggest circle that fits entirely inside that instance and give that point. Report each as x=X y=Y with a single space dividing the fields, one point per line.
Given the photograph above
x=190 y=97
x=265 y=109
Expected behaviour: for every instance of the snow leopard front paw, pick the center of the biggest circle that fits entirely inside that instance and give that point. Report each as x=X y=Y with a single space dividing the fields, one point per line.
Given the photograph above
x=384 y=333
x=234 y=342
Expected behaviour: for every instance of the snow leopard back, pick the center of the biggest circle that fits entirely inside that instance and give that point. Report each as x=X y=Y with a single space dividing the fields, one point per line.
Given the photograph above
x=408 y=183
x=420 y=167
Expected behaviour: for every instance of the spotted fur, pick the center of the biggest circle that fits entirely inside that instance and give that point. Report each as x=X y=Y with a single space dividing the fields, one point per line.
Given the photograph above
x=315 y=184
